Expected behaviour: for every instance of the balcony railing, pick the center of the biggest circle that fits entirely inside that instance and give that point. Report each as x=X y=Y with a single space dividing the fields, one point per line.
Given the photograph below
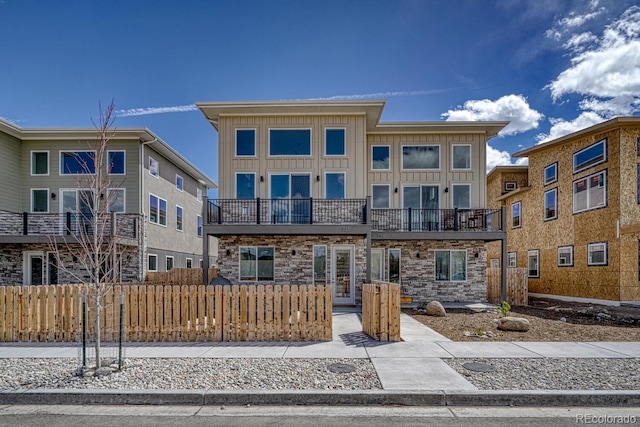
x=66 y=224
x=436 y=219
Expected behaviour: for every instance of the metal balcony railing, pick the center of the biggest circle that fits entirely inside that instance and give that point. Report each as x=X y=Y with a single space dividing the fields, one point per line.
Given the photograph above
x=410 y=219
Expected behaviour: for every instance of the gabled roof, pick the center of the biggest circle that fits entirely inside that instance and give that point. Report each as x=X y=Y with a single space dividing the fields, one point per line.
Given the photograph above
x=142 y=135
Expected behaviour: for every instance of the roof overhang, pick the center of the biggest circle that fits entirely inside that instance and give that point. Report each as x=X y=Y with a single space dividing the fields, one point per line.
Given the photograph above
x=490 y=129
x=507 y=169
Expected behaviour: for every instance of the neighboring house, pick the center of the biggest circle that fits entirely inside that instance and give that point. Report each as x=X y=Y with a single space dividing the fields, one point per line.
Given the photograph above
x=158 y=201
x=323 y=192
x=574 y=213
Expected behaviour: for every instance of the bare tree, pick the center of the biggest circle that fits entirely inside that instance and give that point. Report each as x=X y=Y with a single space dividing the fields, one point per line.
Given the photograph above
x=91 y=236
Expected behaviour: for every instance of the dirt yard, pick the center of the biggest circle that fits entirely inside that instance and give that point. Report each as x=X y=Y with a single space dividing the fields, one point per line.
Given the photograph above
x=550 y=320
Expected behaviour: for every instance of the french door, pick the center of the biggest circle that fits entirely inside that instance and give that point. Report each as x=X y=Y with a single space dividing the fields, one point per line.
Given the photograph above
x=80 y=204
x=290 y=194
x=424 y=203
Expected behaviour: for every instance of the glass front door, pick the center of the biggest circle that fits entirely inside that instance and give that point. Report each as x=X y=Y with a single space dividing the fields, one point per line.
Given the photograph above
x=34 y=268
x=342 y=270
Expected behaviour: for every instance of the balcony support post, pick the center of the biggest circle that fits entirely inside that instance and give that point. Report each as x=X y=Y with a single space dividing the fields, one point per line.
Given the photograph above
x=310 y=210
x=25 y=223
x=456 y=219
x=410 y=211
x=258 y=210
x=68 y=223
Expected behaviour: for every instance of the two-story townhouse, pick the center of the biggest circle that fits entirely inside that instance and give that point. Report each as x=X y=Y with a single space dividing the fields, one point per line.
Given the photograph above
x=574 y=214
x=156 y=195
x=323 y=192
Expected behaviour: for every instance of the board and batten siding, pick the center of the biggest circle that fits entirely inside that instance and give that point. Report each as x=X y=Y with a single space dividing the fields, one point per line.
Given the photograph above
x=11 y=199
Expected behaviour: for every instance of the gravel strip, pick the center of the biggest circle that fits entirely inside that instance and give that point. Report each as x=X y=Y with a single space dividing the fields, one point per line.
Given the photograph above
x=553 y=374
x=192 y=373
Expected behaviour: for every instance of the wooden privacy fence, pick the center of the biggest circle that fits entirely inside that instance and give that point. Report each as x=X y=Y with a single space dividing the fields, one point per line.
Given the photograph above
x=381 y=310
x=517 y=286
x=180 y=276
x=171 y=313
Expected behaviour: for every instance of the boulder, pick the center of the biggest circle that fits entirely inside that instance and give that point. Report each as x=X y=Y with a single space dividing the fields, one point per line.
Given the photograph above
x=434 y=308
x=517 y=324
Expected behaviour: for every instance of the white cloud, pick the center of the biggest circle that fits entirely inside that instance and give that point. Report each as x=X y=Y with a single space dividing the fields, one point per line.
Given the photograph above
x=579 y=42
x=496 y=157
x=155 y=110
x=561 y=127
x=380 y=95
x=514 y=108
x=574 y=20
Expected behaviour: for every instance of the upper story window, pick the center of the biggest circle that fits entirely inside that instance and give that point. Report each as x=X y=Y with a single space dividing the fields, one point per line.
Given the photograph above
x=510 y=186
x=199 y=225
x=551 y=204
x=421 y=157
x=380 y=196
x=245 y=142
x=157 y=210
x=461 y=157
x=179 y=183
x=334 y=142
x=77 y=162
x=39 y=163
x=199 y=194
x=381 y=157
x=590 y=156
x=565 y=256
x=154 y=167
x=116 y=162
x=590 y=192
x=516 y=213
x=334 y=185
x=179 y=219
x=245 y=185
x=462 y=196
x=40 y=200
x=551 y=174
x=289 y=142
x=116 y=199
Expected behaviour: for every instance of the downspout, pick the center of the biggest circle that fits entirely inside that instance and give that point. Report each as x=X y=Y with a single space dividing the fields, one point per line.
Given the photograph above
x=142 y=207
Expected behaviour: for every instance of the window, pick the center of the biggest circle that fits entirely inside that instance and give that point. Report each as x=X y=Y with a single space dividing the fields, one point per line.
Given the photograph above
x=512 y=259
x=154 y=167
x=157 y=210
x=169 y=263
x=565 y=256
x=533 y=263
x=334 y=185
x=461 y=157
x=179 y=225
x=319 y=265
x=462 y=196
x=199 y=194
x=597 y=253
x=590 y=156
x=245 y=185
x=510 y=186
x=245 y=142
x=189 y=263
x=116 y=162
x=289 y=142
x=39 y=200
x=152 y=261
x=515 y=214
x=590 y=192
x=451 y=265
x=394 y=266
x=334 y=142
x=77 y=162
x=421 y=157
x=199 y=225
x=550 y=204
x=551 y=174
x=380 y=157
x=116 y=199
x=39 y=163
x=380 y=196
x=256 y=263
x=179 y=183
x=495 y=263
x=285 y=186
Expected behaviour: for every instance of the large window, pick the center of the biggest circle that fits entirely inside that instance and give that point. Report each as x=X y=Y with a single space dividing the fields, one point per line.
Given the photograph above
x=451 y=265
x=319 y=265
x=394 y=266
x=154 y=167
x=533 y=263
x=289 y=142
x=116 y=199
x=461 y=157
x=551 y=174
x=77 y=162
x=245 y=142
x=516 y=214
x=590 y=156
x=334 y=142
x=199 y=225
x=334 y=185
x=512 y=259
x=565 y=256
x=40 y=200
x=597 y=253
x=116 y=162
x=179 y=218
x=39 y=163
x=421 y=157
x=551 y=204
x=256 y=263
x=245 y=185
x=179 y=183
x=380 y=196
x=157 y=210
x=380 y=157
x=590 y=192
x=462 y=196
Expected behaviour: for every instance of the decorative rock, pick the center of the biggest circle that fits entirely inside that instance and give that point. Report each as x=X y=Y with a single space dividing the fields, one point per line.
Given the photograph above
x=517 y=324
x=103 y=372
x=434 y=308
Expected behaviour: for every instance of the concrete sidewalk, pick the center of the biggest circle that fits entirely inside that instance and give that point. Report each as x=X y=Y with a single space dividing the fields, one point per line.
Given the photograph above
x=411 y=371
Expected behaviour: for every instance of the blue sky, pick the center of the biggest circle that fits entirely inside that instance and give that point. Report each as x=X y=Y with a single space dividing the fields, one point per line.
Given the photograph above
x=551 y=67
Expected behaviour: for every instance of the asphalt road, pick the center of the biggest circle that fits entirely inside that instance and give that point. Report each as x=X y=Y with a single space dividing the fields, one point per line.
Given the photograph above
x=309 y=416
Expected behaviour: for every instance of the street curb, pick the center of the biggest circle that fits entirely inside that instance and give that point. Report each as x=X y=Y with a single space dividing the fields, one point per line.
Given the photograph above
x=539 y=398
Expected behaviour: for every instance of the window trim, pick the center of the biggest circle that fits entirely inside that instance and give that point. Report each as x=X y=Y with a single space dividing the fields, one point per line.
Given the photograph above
x=124 y=162
x=544 y=204
x=606 y=254
x=461 y=184
x=344 y=142
x=166 y=262
x=158 y=219
x=255 y=145
x=149 y=256
x=254 y=185
x=449 y=280
x=555 y=175
x=515 y=259
x=519 y=203
x=180 y=187
x=453 y=146
x=31 y=200
x=313 y=263
x=586 y=178
x=344 y=174
x=577 y=169
x=535 y=252
x=61 y=171
x=181 y=216
x=290 y=155
x=371 y=158
x=48 y=163
x=421 y=169
x=157 y=175
x=388 y=195
x=571 y=255
x=124 y=199
x=257 y=248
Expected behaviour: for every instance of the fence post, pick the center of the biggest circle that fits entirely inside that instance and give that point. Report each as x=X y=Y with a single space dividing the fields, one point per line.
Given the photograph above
x=121 y=330
x=84 y=330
